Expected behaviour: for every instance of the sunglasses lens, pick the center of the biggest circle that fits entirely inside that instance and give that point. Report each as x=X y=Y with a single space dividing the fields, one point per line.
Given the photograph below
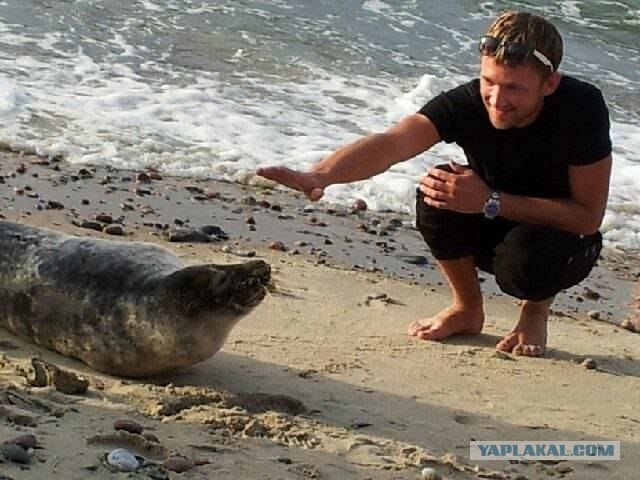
x=488 y=45
x=516 y=52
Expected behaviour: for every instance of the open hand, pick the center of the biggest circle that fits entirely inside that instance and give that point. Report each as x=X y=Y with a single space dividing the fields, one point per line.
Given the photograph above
x=307 y=183
x=460 y=190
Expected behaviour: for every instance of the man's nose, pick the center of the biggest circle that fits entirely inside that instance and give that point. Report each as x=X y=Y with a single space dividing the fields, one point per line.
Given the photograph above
x=497 y=97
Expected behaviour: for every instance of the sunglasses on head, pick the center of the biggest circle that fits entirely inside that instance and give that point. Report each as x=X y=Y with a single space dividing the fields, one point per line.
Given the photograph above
x=513 y=51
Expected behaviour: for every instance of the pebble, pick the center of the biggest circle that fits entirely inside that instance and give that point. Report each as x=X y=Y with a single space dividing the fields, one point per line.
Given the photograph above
x=279 y=246
x=628 y=325
x=143 y=177
x=128 y=426
x=430 y=474
x=178 y=464
x=104 y=218
x=15 y=453
x=360 y=204
x=187 y=235
x=114 y=230
x=594 y=314
x=589 y=364
x=123 y=460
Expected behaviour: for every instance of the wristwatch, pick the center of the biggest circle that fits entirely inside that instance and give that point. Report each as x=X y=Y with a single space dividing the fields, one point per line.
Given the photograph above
x=491 y=208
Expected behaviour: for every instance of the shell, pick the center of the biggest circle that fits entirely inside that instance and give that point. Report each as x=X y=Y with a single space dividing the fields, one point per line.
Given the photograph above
x=123 y=460
x=430 y=474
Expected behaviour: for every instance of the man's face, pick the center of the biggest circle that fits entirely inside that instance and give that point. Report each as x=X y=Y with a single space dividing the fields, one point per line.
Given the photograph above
x=513 y=94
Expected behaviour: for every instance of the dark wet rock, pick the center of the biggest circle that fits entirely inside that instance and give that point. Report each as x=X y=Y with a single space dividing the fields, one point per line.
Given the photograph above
x=178 y=221
x=248 y=200
x=128 y=426
x=143 y=191
x=276 y=208
x=104 y=218
x=178 y=464
x=88 y=224
x=44 y=374
x=1 y=179
x=591 y=294
x=189 y=235
x=211 y=194
x=15 y=453
x=414 y=259
x=127 y=207
x=250 y=221
x=84 y=173
x=264 y=204
x=194 y=189
x=114 y=230
x=18 y=190
x=26 y=441
x=21 y=169
x=328 y=242
x=85 y=201
x=279 y=246
x=155 y=175
x=143 y=177
x=214 y=231
x=360 y=205
x=200 y=198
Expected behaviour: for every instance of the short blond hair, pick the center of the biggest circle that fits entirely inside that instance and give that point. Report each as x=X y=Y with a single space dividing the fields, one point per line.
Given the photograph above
x=533 y=31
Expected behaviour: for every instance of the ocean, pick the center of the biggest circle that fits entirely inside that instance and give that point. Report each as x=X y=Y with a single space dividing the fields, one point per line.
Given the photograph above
x=214 y=89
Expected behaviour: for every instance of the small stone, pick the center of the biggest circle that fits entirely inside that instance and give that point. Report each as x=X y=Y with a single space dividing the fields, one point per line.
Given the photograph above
x=430 y=474
x=284 y=460
x=250 y=221
x=279 y=246
x=414 y=259
x=564 y=469
x=123 y=460
x=143 y=191
x=194 y=189
x=113 y=230
x=589 y=364
x=53 y=205
x=15 y=453
x=104 y=218
x=128 y=426
x=360 y=205
x=629 y=325
x=91 y=225
x=26 y=441
x=143 y=177
x=21 y=169
x=178 y=464
x=84 y=173
x=591 y=294
x=18 y=190
x=594 y=314
x=155 y=176
x=188 y=235
x=85 y=201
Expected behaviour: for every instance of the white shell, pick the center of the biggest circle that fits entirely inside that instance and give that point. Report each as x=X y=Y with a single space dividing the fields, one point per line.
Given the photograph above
x=122 y=460
x=430 y=474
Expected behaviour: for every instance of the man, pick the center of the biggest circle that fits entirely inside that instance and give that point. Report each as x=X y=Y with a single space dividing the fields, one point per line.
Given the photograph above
x=529 y=205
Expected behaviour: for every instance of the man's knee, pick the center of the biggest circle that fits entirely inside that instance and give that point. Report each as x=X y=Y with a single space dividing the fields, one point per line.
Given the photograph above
x=535 y=262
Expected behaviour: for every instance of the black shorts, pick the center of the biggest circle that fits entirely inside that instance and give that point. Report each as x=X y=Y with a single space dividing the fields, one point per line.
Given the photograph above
x=530 y=262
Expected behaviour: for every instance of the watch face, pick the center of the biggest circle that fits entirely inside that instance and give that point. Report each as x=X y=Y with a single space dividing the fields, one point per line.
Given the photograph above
x=492 y=208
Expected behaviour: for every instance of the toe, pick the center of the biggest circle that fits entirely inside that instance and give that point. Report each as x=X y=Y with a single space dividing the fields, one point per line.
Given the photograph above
x=508 y=343
x=431 y=334
x=414 y=328
x=533 y=350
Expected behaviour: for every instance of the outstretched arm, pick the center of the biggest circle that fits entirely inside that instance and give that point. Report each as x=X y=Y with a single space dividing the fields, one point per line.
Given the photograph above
x=362 y=159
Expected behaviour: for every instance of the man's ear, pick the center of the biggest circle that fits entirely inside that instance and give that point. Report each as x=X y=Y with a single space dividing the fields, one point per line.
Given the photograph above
x=551 y=83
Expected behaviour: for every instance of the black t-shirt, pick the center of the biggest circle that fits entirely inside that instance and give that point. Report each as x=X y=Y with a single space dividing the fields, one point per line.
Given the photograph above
x=572 y=129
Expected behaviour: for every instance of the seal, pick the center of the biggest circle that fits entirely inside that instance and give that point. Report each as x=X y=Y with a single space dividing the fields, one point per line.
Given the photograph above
x=130 y=309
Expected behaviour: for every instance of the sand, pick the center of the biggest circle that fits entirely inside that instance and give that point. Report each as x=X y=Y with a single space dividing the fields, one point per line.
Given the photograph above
x=321 y=380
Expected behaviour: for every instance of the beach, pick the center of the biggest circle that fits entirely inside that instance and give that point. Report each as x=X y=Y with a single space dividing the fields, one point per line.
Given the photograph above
x=321 y=380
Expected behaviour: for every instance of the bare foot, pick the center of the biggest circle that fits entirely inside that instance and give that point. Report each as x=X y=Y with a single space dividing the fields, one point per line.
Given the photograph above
x=450 y=321
x=307 y=183
x=529 y=337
